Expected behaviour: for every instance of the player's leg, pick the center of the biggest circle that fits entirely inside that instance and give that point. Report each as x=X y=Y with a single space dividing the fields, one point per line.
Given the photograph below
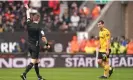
x=110 y=68
x=101 y=63
x=106 y=66
x=100 y=59
x=106 y=69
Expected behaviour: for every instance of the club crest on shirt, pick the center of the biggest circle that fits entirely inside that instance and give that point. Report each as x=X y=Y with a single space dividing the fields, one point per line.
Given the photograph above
x=107 y=34
x=101 y=35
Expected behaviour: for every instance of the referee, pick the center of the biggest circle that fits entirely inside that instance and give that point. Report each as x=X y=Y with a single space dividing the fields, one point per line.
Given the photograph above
x=34 y=33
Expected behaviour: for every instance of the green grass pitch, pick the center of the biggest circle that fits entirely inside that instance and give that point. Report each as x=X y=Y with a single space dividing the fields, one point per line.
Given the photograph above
x=67 y=74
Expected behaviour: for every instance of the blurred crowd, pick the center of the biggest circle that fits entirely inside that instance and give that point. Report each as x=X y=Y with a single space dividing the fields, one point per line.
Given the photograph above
x=58 y=16
x=119 y=45
x=55 y=15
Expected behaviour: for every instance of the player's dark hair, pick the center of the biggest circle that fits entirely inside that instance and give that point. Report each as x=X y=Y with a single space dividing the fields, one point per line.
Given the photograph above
x=101 y=21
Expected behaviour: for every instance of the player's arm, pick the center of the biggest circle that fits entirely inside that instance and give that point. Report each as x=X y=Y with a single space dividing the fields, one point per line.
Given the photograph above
x=108 y=45
x=98 y=46
x=107 y=35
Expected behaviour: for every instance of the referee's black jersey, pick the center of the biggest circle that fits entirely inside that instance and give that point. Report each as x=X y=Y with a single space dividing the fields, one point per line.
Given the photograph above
x=35 y=31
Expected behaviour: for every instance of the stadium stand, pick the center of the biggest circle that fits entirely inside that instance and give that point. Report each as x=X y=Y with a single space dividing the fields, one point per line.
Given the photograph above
x=58 y=16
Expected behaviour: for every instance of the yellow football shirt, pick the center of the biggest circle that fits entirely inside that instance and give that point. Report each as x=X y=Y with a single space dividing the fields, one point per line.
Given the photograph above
x=104 y=35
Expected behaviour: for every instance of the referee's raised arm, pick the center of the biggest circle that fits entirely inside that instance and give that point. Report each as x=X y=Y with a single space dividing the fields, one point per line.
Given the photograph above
x=27 y=12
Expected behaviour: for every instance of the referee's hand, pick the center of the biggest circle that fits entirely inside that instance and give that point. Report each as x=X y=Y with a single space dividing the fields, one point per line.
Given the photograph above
x=47 y=46
x=26 y=6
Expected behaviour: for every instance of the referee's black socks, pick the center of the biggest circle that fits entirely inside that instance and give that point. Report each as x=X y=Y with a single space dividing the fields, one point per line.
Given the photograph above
x=37 y=69
x=28 y=68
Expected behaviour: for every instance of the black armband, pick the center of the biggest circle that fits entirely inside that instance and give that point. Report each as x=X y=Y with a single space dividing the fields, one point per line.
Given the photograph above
x=43 y=35
x=47 y=44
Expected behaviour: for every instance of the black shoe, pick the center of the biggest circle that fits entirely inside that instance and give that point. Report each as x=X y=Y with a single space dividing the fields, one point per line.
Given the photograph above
x=23 y=76
x=40 y=78
x=110 y=72
x=103 y=77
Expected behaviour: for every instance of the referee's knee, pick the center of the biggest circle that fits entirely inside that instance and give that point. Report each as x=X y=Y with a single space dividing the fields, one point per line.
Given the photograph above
x=34 y=61
x=38 y=61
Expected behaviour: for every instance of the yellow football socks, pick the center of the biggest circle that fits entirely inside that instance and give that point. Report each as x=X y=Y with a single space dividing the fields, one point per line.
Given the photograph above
x=106 y=70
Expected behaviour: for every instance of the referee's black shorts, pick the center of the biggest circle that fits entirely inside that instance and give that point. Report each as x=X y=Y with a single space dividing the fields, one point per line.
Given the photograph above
x=34 y=51
x=103 y=55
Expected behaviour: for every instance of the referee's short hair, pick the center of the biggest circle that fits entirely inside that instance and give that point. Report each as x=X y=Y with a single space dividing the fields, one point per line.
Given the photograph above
x=37 y=14
x=101 y=21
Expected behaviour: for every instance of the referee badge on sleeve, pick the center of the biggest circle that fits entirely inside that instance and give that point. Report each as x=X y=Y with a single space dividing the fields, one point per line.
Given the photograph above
x=107 y=34
x=42 y=32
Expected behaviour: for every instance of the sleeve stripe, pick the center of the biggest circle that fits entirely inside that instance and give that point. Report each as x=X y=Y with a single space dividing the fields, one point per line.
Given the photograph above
x=42 y=32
